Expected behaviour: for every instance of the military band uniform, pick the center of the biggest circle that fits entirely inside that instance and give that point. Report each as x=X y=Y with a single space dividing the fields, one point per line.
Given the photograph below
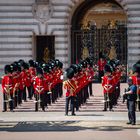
x=108 y=87
x=39 y=88
x=7 y=88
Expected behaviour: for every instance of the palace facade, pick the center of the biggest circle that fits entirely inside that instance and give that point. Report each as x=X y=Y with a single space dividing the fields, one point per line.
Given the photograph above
x=69 y=30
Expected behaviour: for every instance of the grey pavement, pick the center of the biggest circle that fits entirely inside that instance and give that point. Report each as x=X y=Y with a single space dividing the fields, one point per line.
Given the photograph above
x=59 y=116
x=55 y=125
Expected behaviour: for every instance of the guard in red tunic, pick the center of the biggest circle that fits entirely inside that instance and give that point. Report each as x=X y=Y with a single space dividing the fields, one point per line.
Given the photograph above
x=136 y=81
x=108 y=86
x=7 y=88
x=59 y=66
x=39 y=88
x=47 y=77
x=101 y=64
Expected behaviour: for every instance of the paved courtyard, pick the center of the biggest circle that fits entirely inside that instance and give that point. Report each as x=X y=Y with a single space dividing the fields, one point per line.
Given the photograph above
x=55 y=125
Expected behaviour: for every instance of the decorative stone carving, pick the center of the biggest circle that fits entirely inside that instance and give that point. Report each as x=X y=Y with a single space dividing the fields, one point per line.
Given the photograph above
x=42 y=10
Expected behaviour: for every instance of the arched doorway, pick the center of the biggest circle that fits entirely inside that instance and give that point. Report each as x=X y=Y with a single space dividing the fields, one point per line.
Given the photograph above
x=99 y=26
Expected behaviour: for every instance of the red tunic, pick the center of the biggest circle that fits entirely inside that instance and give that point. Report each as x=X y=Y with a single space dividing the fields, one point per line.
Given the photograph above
x=26 y=78
x=16 y=79
x=47 y=79
x=108 y=84
x=39 y=85
x=70 y=87
x=101 y=64
x=7 y=84
x=32 y=72
x=117 y=76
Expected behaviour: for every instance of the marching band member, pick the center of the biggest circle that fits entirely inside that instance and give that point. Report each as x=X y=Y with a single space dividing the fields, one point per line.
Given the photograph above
x=39 y=88
x=108 y=86
x=7 y=88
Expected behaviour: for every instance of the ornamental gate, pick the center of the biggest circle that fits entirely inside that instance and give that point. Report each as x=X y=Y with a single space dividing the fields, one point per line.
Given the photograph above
x=112 y=42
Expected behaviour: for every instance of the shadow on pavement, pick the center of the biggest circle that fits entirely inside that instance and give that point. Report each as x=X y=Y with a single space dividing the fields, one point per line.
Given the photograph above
x=58 y=126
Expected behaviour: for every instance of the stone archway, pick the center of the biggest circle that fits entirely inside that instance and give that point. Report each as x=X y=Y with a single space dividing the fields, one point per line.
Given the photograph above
x=77 y=39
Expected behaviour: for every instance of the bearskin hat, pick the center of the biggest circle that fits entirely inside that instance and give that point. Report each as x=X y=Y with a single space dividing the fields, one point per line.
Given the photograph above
x=21 y=61
x=89 y=61
x=136 y=68
x=46 y=68
x=108 y=68
x=69 y=73
x=117 y=62
x=112 y=64
x=31 y=63
x=7 y=69
x=74 y=67
x=84 y=63
x=79 y=67
x=101 y=55
x=60 y=65
x=25 y=66
x=39 y=70
x=14 y=67
x=57 y=62
x=138 y=62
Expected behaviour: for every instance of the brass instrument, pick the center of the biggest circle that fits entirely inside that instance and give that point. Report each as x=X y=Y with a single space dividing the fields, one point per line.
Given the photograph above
x=49 y=86
x=39 y=90
x=8 y=89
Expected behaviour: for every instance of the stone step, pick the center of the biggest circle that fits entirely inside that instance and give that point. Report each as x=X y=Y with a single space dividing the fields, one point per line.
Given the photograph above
x=93 y=104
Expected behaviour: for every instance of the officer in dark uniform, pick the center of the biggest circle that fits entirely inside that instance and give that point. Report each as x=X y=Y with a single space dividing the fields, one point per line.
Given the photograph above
x=131 y=101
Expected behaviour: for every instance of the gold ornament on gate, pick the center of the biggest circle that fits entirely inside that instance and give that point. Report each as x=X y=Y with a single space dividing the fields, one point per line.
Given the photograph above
x=46 y=55
x=85 y=53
